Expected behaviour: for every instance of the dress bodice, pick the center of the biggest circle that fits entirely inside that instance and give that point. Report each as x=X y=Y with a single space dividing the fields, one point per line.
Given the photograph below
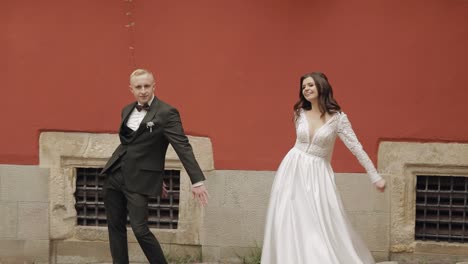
x=322 y=142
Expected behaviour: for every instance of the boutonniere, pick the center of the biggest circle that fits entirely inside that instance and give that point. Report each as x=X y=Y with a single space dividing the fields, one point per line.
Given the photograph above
x=150 y=125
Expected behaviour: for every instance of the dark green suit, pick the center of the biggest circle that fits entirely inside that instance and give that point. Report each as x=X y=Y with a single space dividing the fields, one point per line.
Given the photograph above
x=135 y=171
x=142 y=156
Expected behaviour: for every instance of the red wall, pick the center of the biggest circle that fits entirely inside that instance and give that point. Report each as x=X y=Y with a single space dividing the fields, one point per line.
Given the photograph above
x=398 y=69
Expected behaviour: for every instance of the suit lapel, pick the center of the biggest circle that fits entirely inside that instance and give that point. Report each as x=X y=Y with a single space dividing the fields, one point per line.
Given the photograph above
x=154 y=107
x=123 y=123
x=126 y=114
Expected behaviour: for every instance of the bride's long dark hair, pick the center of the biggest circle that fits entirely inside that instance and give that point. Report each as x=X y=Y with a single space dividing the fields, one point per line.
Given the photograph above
x=326 y=102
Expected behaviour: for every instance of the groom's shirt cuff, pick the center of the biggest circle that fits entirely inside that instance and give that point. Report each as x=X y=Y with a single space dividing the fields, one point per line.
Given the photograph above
x=200 y=183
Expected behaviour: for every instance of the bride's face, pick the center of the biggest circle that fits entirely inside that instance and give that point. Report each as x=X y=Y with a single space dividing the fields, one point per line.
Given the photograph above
x=309 y=90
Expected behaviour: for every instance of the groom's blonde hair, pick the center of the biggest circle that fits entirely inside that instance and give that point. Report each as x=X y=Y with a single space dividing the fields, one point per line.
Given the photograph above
x=139 y=72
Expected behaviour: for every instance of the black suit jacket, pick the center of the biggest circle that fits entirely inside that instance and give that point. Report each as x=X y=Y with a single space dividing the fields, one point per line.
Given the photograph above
x=142 y=157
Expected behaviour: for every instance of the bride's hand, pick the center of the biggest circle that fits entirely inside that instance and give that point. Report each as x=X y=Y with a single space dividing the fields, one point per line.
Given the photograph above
x=380 y=185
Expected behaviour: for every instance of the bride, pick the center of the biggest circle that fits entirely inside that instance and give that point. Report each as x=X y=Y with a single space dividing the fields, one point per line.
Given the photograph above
x=306 y=222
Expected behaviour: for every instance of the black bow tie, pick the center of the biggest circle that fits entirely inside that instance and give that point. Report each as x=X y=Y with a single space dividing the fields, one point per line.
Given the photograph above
x=142 y=107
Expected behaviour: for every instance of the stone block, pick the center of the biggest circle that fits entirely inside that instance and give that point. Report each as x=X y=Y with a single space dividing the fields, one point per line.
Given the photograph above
x=37 y=250
x=221 y=226
x=246 y=189
x=374 y=229
x=8 y=219
x=33 y=221
x=11 y=248
x=359 y=195
x=427 y=258
x=81 y=252
x=23 y=183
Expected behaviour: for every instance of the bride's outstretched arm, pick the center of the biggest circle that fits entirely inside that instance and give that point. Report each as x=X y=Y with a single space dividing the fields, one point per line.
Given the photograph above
x=347 y=135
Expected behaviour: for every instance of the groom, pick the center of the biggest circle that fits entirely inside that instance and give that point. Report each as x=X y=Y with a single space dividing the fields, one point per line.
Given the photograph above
x=135 y=170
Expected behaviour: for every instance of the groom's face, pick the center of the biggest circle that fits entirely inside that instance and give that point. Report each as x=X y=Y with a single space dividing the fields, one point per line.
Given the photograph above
x=142 y=87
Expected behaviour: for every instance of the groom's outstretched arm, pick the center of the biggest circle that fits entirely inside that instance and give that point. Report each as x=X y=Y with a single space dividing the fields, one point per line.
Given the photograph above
x=174 y=132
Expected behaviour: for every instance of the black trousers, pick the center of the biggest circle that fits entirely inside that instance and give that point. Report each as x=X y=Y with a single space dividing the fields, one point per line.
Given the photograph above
x=118 y=202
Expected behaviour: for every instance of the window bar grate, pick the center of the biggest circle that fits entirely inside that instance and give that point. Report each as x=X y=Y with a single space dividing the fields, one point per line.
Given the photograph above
x=438 y=208
x=441 y=208
x=162 y=212
x=464 y=211
x=425 y=209
x=450 y=211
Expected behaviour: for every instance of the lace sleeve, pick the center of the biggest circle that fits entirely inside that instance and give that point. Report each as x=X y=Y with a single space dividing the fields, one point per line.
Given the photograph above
x=347 y=135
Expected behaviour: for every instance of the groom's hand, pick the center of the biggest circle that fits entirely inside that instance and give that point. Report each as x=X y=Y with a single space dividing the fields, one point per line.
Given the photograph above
x=201 y=194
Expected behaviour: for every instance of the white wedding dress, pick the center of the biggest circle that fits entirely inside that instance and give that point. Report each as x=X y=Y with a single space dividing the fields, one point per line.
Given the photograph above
x=306 y=222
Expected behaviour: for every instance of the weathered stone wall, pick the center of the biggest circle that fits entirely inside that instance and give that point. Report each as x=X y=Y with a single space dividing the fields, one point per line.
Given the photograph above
x=38 y=220
x=403 y=161
x=24 y=220
x=233 y=223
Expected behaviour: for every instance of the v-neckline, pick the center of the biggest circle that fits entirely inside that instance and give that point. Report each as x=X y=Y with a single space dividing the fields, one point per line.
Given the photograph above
x=311 y=139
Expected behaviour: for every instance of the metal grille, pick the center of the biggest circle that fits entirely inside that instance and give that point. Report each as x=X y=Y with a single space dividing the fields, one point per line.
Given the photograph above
x=441 y=208
x=163 y=212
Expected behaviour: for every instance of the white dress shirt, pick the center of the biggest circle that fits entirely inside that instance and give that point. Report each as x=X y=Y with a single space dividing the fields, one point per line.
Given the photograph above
x=136 y=116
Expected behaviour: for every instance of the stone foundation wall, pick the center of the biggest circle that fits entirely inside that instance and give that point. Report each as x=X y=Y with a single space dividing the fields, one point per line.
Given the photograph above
x=38 y=219
x=24 y=218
